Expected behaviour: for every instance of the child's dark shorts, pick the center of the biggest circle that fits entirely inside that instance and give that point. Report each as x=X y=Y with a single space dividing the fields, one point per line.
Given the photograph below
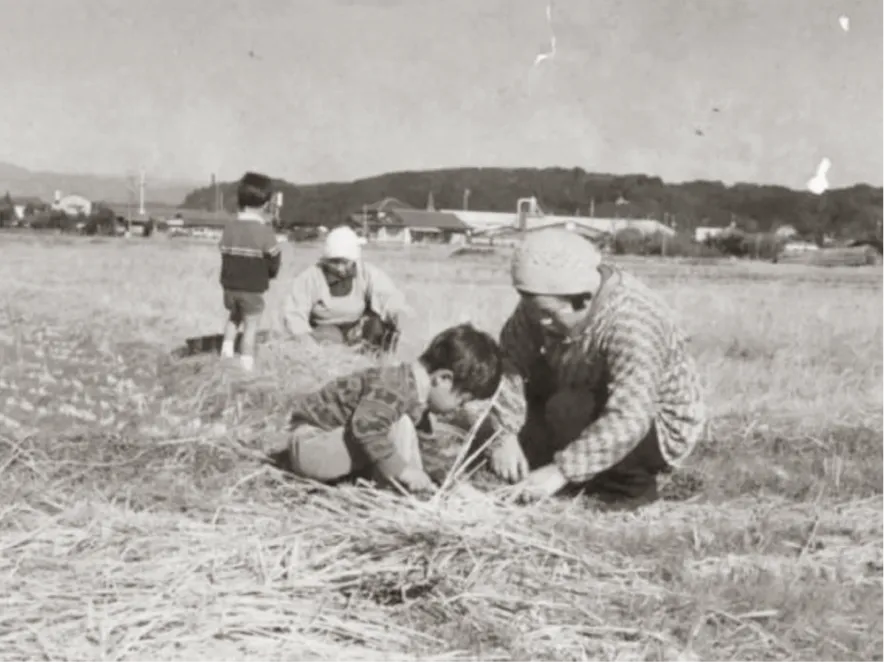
x=243 y=304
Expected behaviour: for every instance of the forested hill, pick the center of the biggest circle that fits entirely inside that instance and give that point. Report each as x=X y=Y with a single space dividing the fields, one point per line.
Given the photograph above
x=853 y=212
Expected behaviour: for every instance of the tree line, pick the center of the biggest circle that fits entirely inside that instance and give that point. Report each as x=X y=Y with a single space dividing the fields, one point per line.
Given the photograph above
x=847 y=213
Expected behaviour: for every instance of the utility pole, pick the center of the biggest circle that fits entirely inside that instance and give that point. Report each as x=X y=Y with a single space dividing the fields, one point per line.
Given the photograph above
x=134 y=187
x=141 y=194
x=216 y=194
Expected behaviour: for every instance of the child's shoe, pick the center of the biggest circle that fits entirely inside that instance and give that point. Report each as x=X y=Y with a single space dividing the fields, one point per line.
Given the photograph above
x=227 y=351
x=247 y=362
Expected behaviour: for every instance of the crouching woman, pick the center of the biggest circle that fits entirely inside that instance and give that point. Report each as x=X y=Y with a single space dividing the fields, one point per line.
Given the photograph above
x=343 y=300
x=613 y=396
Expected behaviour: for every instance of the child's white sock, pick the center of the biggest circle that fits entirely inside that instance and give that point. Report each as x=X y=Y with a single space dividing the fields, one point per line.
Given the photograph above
x=248 y=362
x=227 y=350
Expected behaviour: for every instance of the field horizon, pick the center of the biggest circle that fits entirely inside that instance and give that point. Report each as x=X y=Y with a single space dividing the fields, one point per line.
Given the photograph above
x=138 y=521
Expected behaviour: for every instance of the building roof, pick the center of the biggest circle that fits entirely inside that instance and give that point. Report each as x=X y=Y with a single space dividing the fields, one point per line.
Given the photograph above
x=785 y=230
x=480 y=220
x=574 y=225
x=643 y=225
x=429 y=220
x=356 y=219
x=156 y=211
x=489 y=221
x=207 y=219
x=388 y=204
x=190 y=217
x=27 y=200
x=74 y=198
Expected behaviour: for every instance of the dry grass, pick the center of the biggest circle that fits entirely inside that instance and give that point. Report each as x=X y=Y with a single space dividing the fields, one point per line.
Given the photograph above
x=137 y=522
x=834 y=257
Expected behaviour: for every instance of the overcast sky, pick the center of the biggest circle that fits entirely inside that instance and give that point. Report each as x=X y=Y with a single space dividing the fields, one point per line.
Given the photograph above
x=340 y=89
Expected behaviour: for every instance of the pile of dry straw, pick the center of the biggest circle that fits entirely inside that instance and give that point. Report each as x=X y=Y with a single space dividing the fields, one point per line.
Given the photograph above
x=182 y=547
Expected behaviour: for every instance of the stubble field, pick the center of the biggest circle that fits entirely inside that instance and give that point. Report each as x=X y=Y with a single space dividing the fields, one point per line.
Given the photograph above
x=137 y=522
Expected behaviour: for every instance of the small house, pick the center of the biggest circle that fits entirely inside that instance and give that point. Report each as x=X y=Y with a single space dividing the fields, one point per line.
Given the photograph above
x=72 y=204
x=422 y=226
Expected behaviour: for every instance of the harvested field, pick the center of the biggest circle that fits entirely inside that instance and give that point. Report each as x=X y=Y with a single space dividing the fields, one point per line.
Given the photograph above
x=136 y=521
x=854 y=256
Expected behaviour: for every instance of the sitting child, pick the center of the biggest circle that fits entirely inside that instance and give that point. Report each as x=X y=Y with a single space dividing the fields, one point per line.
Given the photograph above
x=367 y=420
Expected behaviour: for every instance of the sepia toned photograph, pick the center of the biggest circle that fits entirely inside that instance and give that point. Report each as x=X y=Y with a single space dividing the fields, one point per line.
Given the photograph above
x=442 y=331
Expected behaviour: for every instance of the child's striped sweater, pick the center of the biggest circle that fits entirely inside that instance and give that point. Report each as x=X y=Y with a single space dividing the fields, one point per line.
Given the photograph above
x=250 y=254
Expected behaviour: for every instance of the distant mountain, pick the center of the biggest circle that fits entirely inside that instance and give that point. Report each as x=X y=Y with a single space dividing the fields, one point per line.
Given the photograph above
x=21 y=182
x=852 y=212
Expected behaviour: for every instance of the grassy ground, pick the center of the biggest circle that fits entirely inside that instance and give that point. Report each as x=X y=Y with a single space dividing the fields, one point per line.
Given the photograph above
x=136 y=523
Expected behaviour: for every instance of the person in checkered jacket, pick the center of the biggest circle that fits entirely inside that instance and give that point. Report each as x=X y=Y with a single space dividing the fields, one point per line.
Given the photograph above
x=612 y=396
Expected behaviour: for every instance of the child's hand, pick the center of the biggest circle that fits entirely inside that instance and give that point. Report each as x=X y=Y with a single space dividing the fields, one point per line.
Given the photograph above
x=416 y=480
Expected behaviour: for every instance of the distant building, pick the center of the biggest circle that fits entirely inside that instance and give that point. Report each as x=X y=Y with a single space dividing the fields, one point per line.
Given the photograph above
x=391 y=220
x=192 y=222
x=510 y=235
x=21 y=205
x=701 y=234
x=377 y=213
x=72 y=204
x=798 y=246
x=483 y=221
x=786 y=232
x=429 y=226
x=409 y=225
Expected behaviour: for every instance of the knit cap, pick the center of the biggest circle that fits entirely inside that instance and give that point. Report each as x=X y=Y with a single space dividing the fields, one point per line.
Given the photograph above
x=555 y=261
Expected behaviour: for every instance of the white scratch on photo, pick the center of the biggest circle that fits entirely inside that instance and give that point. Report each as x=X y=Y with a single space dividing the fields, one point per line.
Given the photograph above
x=818 y=184
x=552 y=38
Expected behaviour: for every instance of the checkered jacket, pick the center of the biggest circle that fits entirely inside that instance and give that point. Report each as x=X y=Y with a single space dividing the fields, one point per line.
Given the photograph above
x=366 y=403
x=630 y=348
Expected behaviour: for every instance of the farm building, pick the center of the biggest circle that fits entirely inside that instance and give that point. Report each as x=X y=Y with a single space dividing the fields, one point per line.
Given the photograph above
x=511 y=234
x=129 y=212
x=376 y=212
x=407 y=226
x=391 y=220
x=647 y=226
x=198 y=223
x=429 y=226
x=72 y=204
x=387 y=205
x=485 y=220
x=701 y=234
x=799 y=246
x=195 y=222
x=786 y=232
x=22 y=205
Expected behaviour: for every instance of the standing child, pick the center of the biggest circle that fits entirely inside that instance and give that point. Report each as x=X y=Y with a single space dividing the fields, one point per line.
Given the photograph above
x=250 y=259
x=368 y=420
